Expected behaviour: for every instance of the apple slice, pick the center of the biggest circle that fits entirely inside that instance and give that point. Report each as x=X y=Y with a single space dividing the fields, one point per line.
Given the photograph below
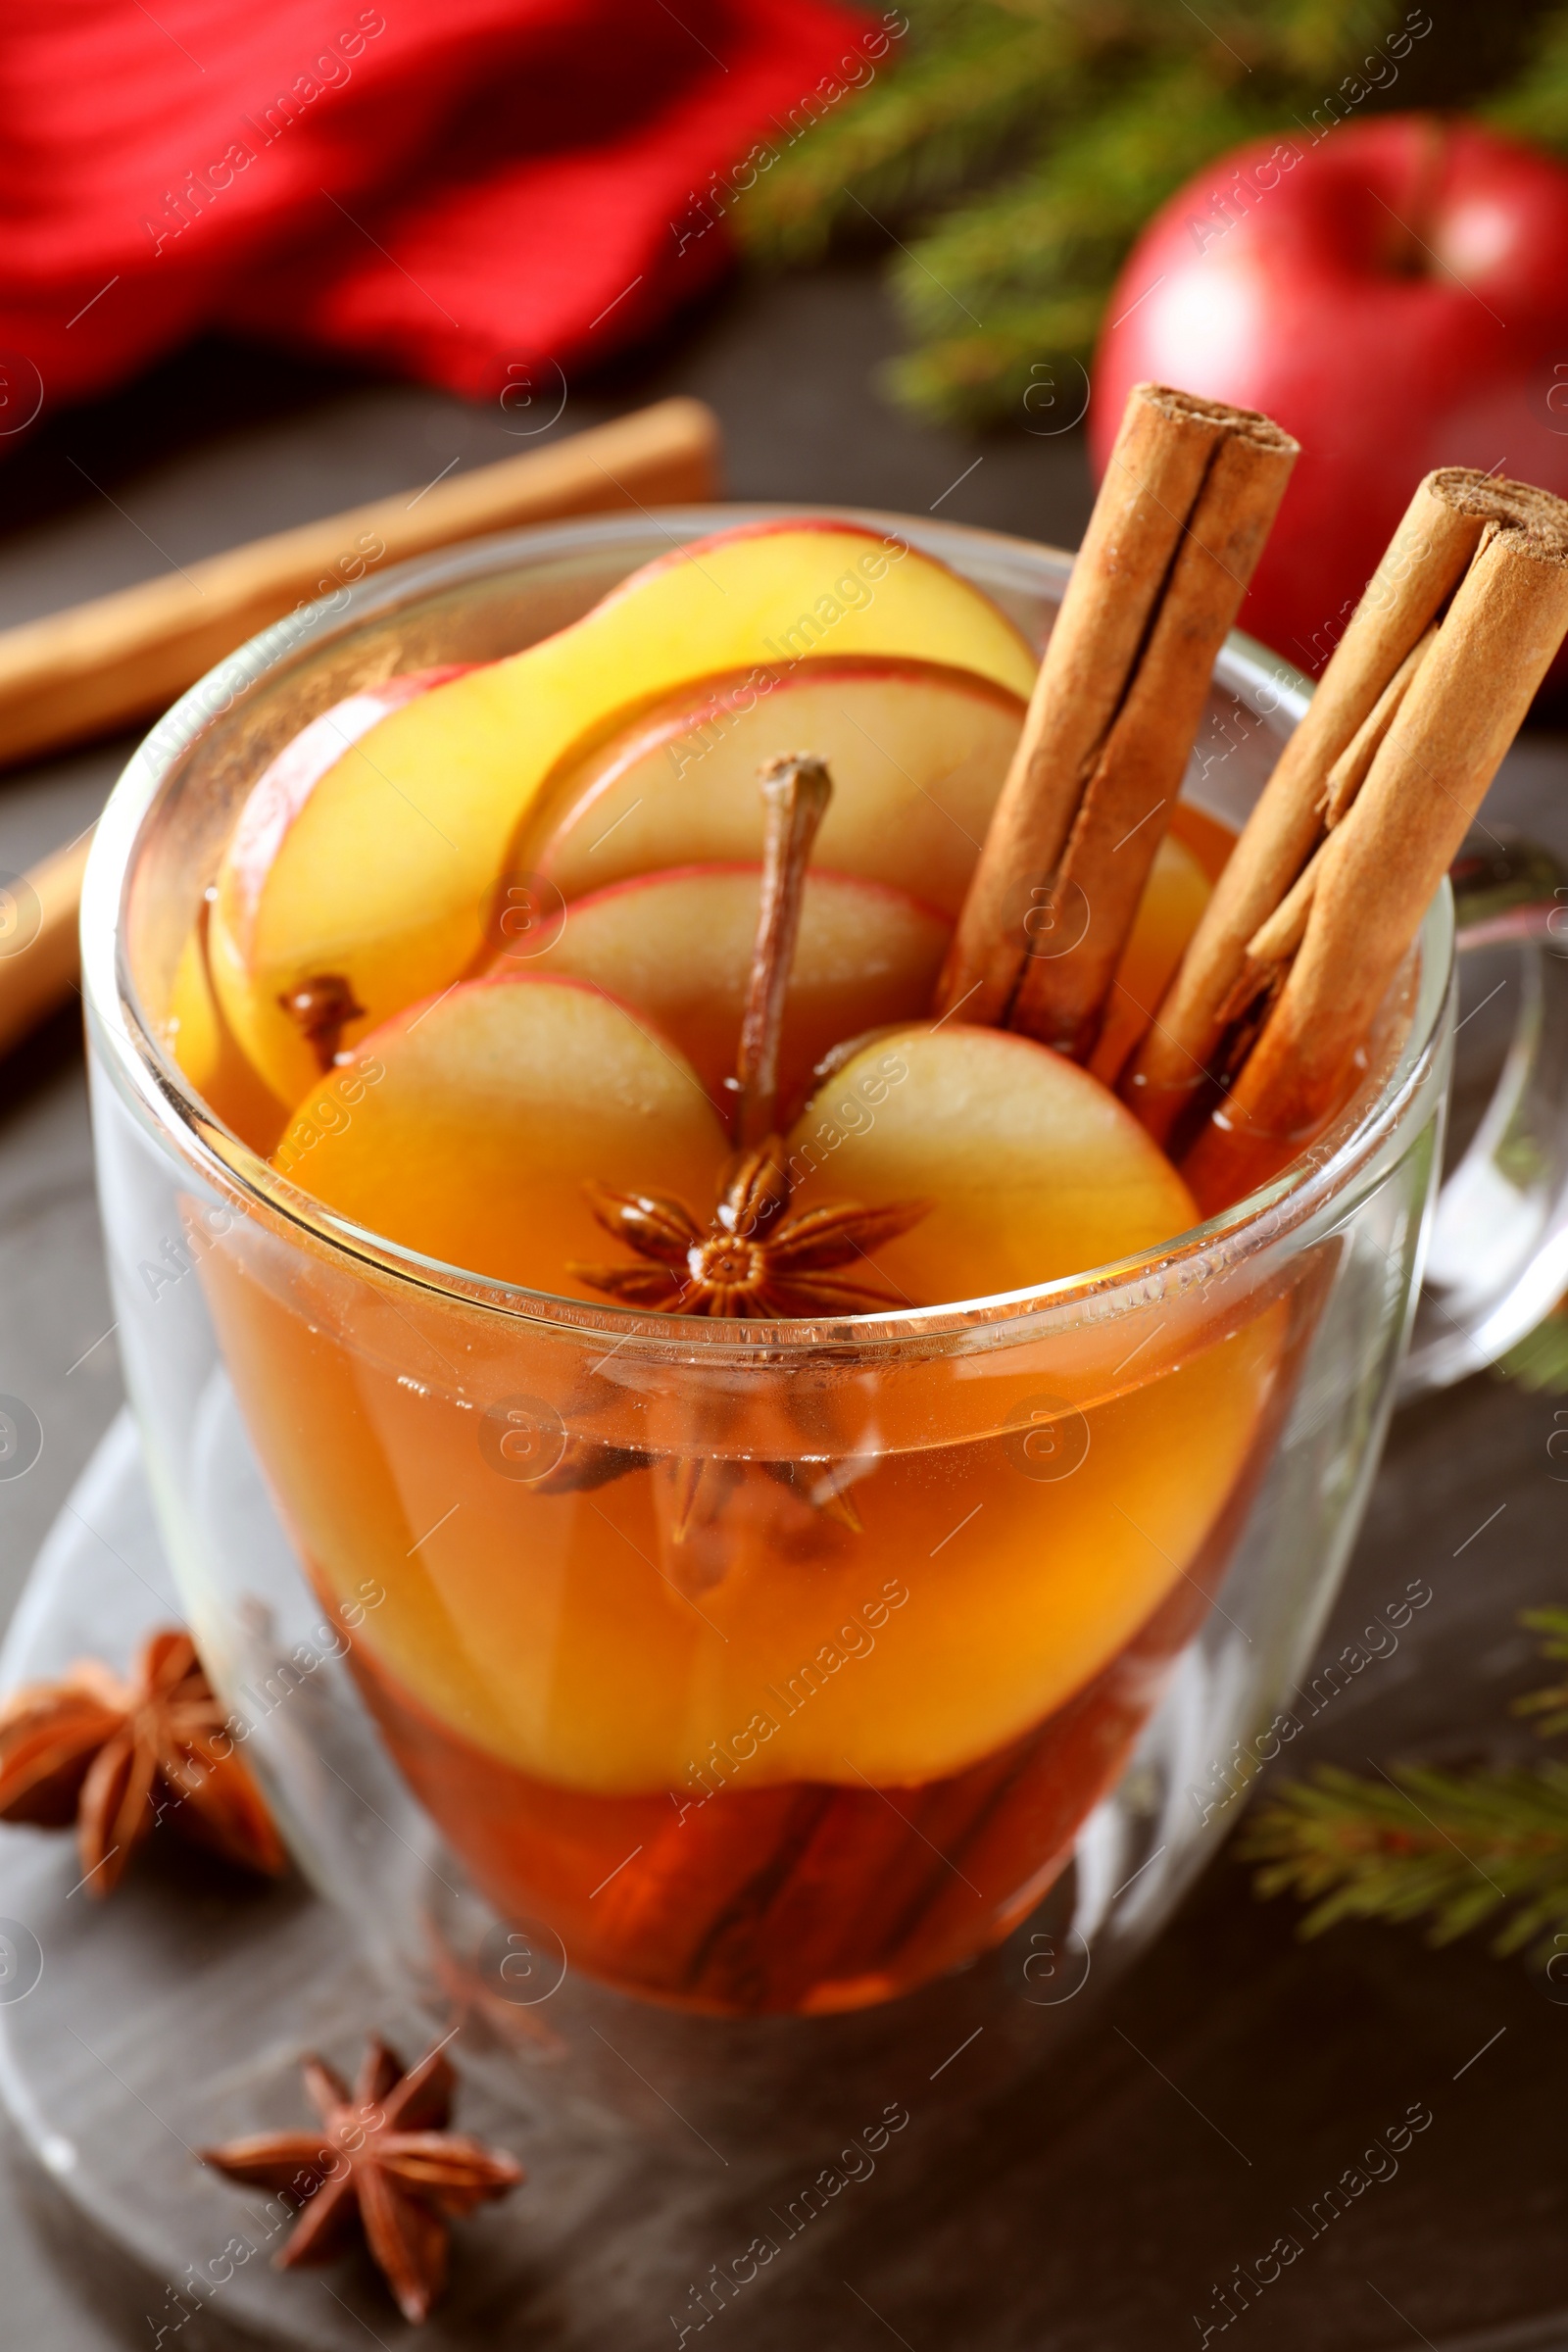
x=1033 y=1169
x=274 y=1041
x=204 y=1046
x=917 y=752
x=678 y=948
x=1174 y=897
x=384 y=877
x=468 y=1127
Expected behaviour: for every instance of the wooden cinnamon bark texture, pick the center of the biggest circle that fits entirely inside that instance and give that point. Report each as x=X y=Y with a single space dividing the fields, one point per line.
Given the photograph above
x=1323 y=966
x=1180 y=521
x=1317 y=774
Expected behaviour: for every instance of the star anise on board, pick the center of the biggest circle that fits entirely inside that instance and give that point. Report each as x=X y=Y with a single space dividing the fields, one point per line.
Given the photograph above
x=753 y=1259
x=383 y=2158
x=117 y=1757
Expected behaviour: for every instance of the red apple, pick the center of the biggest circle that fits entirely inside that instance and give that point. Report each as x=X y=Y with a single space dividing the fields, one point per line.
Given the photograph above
x=1395 y=294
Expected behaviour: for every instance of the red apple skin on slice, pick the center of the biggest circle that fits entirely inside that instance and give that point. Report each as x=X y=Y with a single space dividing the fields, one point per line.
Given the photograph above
x=917 y=753
x=678 y=947
x=273 y=805
x=479 y=1117
x=388 y=876
x=1034 y=1170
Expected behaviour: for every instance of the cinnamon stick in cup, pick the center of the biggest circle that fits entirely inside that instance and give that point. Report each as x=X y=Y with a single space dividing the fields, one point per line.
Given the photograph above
x=795 y=791
x=1316 y=776
x=1178 y=527
x=1372 y=878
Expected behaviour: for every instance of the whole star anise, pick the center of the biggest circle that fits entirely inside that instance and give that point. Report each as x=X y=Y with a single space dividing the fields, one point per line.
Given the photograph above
x=118 y=1758
x=383 y=2157
x=753 y=1259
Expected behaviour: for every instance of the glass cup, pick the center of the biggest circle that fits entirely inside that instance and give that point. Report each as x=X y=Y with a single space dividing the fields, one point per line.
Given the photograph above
x=715 y=1692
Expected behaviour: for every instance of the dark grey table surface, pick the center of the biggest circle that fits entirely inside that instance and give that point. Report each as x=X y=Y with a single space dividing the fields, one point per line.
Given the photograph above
x=1237 y=2070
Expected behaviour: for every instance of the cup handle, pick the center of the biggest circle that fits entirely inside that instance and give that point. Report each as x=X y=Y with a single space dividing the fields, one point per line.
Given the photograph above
x=1498 y=1252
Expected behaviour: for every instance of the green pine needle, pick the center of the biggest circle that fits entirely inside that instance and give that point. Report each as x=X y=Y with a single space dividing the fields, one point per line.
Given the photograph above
x=1552 y=1702
x=974 y=75
x=1017 y=147
x=1540 y=1360
x=1456 y=1850
x=1536 y=106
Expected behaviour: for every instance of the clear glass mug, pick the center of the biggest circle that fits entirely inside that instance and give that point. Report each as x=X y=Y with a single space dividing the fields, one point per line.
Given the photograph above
x=735 y=1697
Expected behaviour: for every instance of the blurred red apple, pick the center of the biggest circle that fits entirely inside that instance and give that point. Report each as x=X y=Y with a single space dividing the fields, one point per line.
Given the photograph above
x=1396 y=295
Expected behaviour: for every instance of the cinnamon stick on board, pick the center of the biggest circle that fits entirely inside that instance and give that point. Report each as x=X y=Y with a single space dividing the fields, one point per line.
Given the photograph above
x=1316 y=776
x=121 y=656
x=126 y=655
x=40 y=956
x=1372 y=879
x=1178 y=527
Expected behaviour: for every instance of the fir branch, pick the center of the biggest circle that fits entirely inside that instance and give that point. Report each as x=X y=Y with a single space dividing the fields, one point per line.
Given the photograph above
x=930 y=121
x=1539 y=1361
x=1536 y=106
x=1315 y=41
x=1551 y=1702
x=1030 y=265
x=1456 y=1850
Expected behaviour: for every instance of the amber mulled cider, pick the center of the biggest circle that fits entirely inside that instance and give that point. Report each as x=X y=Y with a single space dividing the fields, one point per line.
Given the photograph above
x=700 y=998
x=758 y=1705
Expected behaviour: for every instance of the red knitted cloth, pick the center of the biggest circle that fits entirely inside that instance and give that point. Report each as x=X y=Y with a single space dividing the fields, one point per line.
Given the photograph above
x=451 y=188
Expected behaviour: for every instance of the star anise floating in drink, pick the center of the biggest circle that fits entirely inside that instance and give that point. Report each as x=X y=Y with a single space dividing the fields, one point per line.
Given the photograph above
x=382 y=2158
x=755 y=1259
x=119 y=1758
